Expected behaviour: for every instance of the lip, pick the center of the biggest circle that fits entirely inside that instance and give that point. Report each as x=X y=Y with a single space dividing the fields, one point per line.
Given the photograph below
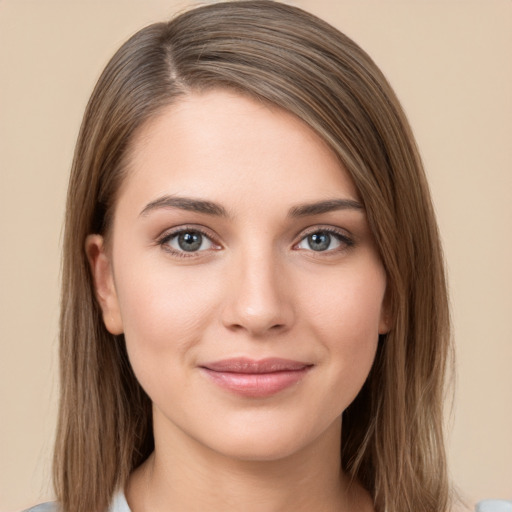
x=256 y=378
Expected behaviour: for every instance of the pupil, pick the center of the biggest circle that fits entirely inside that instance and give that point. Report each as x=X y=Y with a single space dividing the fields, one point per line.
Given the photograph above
x=319 y=241
x=190 y=241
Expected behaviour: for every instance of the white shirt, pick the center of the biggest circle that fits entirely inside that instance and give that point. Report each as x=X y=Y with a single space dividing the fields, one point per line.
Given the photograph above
x=118 y=504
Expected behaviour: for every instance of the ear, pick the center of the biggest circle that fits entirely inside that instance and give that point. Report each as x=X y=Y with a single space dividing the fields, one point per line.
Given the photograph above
x=104 y=286
x=385 y=321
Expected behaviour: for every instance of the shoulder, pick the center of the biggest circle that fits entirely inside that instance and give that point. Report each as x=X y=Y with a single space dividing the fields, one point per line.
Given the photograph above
x=118 y=504
x=44 y=507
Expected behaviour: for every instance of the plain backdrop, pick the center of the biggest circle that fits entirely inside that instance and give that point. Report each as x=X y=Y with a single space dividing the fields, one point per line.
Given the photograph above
x=450 y=63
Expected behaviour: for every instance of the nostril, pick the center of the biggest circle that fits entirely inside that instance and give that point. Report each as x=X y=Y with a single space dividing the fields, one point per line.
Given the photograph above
x=255 y=303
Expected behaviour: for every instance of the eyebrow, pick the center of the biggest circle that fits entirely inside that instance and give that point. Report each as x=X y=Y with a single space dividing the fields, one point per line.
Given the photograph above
x=211 y=208
x=330 y=205
x=185 y=203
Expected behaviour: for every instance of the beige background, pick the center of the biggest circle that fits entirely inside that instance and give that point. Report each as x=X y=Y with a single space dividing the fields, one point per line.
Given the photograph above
x=450 y=63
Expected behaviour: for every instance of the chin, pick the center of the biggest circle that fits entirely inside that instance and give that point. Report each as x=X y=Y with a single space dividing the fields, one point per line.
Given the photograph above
x=261 y=449
x=267 y=441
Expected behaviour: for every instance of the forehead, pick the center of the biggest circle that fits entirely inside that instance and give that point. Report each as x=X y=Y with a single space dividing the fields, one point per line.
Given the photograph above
x=229 y=147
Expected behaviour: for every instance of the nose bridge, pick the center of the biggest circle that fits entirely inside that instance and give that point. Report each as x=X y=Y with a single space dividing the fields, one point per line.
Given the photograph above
x=257 y=299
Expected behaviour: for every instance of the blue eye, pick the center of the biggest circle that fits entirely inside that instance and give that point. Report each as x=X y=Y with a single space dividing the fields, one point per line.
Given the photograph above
x=323 y=240
x=188 y=240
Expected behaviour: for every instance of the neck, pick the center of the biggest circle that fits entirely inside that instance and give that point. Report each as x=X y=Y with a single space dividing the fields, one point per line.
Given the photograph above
x=183 y=474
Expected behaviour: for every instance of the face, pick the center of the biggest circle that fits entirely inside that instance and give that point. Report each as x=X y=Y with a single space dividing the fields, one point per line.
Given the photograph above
x=243 y=274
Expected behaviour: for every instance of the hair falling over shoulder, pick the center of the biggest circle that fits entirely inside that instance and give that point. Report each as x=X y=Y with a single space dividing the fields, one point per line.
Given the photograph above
x=392 y=439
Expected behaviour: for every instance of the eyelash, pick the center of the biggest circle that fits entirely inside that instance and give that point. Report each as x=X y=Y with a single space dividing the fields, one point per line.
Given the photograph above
x=164 y=240
x=345 y=241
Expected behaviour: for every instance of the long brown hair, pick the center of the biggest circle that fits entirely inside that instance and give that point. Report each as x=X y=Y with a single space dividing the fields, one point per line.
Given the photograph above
x=392 y=439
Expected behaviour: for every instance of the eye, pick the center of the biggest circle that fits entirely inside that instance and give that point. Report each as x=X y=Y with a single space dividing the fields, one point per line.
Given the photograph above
x=187 y=241
x=324 y=240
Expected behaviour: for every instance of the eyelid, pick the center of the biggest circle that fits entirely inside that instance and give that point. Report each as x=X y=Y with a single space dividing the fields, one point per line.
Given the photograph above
x=345 y=238
x=163 y=239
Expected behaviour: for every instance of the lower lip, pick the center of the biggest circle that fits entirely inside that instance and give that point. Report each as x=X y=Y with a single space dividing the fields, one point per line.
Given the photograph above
x=256 y=385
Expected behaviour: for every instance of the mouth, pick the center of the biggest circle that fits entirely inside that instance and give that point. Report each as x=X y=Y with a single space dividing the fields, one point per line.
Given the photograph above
x=256 y=379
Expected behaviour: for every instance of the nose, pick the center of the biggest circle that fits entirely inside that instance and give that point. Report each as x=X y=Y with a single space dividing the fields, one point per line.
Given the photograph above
x=258 y=296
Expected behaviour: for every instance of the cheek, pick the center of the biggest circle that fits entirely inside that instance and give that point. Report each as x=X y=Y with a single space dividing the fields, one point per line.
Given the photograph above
x=349 y=305
x=164 y=312
x=345 y=317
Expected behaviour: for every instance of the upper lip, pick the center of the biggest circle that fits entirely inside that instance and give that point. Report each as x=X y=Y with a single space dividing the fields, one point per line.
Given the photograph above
x=247 y=365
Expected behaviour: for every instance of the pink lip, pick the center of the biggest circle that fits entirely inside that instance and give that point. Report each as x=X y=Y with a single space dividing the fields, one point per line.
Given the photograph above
x=256 y=379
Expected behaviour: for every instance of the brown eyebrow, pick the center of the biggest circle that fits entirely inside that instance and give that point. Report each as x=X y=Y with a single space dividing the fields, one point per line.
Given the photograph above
x=185 y=203
x=211 y=208
x=320 y=207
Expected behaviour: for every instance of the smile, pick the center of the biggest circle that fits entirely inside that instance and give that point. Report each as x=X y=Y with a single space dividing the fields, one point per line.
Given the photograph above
x=256 y=379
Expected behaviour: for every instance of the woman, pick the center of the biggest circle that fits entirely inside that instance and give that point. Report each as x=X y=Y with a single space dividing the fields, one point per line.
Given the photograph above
x=254 y=309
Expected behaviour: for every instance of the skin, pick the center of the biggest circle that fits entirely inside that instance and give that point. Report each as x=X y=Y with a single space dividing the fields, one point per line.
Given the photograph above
x=255 y=288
